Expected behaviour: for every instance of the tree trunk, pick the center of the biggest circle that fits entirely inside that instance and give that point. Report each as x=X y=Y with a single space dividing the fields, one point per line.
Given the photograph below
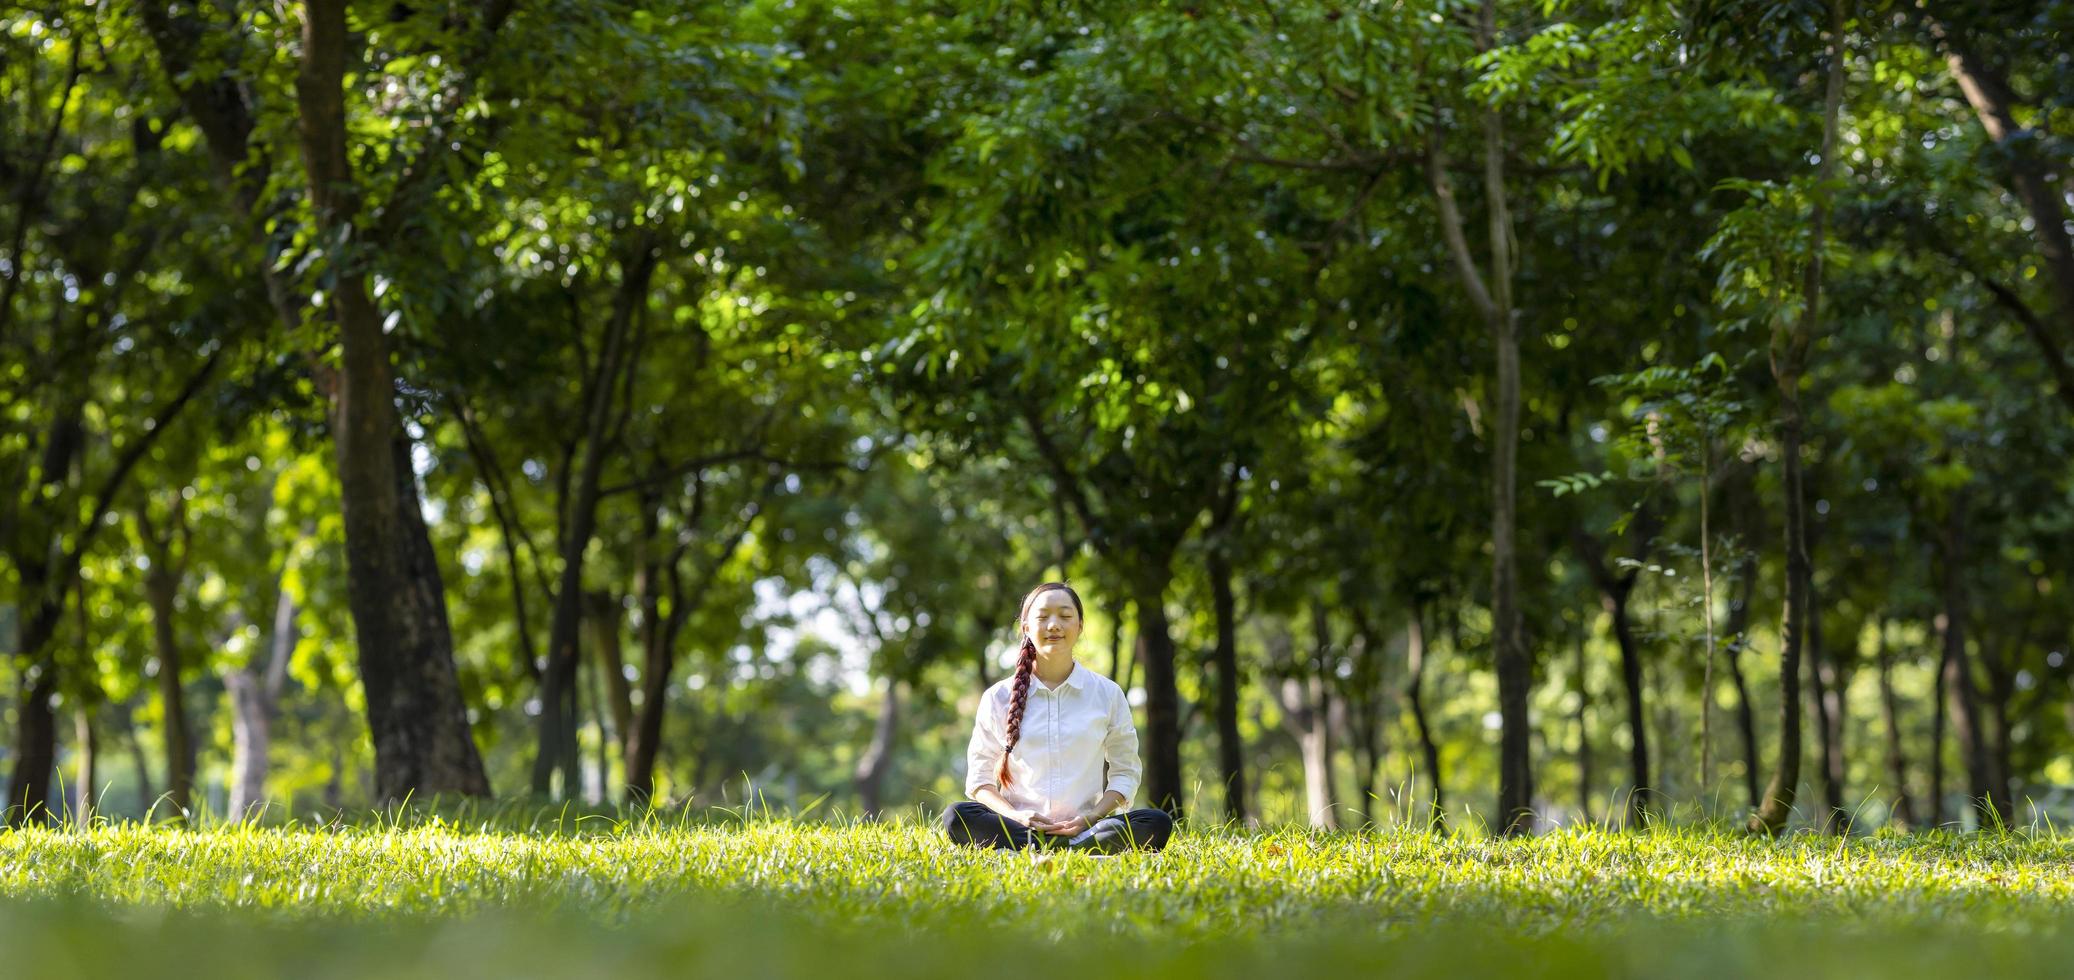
x=1993 y=803
x=1129 y=679
x=599 y=774
x=35 y=746
x=1326 y=711
x=1116 y=661
x=1790 y=345
x=161 y=588
x=1155 y=650
x=1584 y=740
x=648 y=723
x=1706 y=783
x=1515 y=666
x=602 y=609
x=1363 y=698
x=251 y=737
x=416 y=716
x=127 y=729
x=423 y=746
x=1415 y=695
x=2001 y=687
x=86 y=754
x=603 y=413
x=1939 y=722
x=1492 y=298
x=1777 y=804
x=1304 y=711
x=254 y=695
x=659 y=642
x=1821 y=676
x=1641 y=802
x=870 y=775
x=1890 y=717
x=1230 y=750
x=1738 y=636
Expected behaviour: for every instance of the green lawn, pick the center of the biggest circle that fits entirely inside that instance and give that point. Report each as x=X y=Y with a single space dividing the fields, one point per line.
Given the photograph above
x=778 y=898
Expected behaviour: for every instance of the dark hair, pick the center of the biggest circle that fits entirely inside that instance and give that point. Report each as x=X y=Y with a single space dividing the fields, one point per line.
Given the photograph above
x=1025 y=665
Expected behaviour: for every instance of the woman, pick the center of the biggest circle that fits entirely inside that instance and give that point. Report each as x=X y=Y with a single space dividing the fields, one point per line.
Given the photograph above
x=1054 y=756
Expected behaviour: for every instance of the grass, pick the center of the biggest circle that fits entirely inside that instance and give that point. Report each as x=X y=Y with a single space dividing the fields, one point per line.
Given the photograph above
x=770 y=897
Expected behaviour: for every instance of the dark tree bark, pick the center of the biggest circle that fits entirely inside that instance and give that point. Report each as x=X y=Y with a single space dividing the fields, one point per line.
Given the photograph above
x=1828 y=682
x=1890 y=718
x=423 y=746
x=1162 y=742
x=1790 y=345
x=1415 y=653
x=602 y=613
x=36 y=739
x=1230 y=749
x=1777 y=804
x=1116 y=661
x=2001 y=688
x=656 y=571
x=1822 y=682
x=126 y=729
x=1364 y=695
x=1738 y=636
x=1615 y=590
x=1991 y=800
x=162 y=591
x=657 y=652
x=1641 y=803
x=1939 y=722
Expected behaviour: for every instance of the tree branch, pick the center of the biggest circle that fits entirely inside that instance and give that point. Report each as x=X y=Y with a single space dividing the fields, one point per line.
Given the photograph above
x=1451 y=229
x=104 y=497
x=1063 y=480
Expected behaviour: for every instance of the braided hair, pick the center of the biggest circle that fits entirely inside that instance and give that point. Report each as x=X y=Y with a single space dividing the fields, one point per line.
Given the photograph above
x=1025 y=666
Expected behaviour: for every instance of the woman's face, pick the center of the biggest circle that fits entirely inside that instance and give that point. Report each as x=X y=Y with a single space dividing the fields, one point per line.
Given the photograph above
x=1053 y=624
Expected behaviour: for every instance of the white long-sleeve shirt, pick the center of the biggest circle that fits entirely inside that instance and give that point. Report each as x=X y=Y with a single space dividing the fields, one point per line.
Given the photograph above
x=1069 y=733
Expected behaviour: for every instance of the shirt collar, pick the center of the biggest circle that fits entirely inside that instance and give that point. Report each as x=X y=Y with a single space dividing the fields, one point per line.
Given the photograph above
x=1073 y=679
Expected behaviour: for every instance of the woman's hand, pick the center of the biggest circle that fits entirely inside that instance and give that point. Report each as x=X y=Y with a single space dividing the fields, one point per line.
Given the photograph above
x=1067 y=828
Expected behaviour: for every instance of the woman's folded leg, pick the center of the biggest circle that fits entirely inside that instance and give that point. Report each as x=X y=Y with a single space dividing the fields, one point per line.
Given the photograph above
x=1144 y=829
x=974 y=825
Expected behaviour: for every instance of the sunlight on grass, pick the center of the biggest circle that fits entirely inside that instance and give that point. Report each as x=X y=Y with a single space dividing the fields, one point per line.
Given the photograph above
x=674 y=892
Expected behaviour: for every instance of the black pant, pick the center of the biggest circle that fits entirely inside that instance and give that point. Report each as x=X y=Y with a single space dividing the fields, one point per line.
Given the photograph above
x=972 y=823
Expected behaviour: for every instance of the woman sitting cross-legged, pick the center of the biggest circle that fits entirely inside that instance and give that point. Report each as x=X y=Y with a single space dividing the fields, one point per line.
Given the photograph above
x=1034 y=770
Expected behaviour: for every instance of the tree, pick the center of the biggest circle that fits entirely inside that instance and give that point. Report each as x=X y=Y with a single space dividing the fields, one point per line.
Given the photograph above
x=415 y=713
x=1759 y=245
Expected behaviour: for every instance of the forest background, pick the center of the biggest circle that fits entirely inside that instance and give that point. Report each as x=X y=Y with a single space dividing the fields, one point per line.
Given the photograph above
x=1507 y=414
